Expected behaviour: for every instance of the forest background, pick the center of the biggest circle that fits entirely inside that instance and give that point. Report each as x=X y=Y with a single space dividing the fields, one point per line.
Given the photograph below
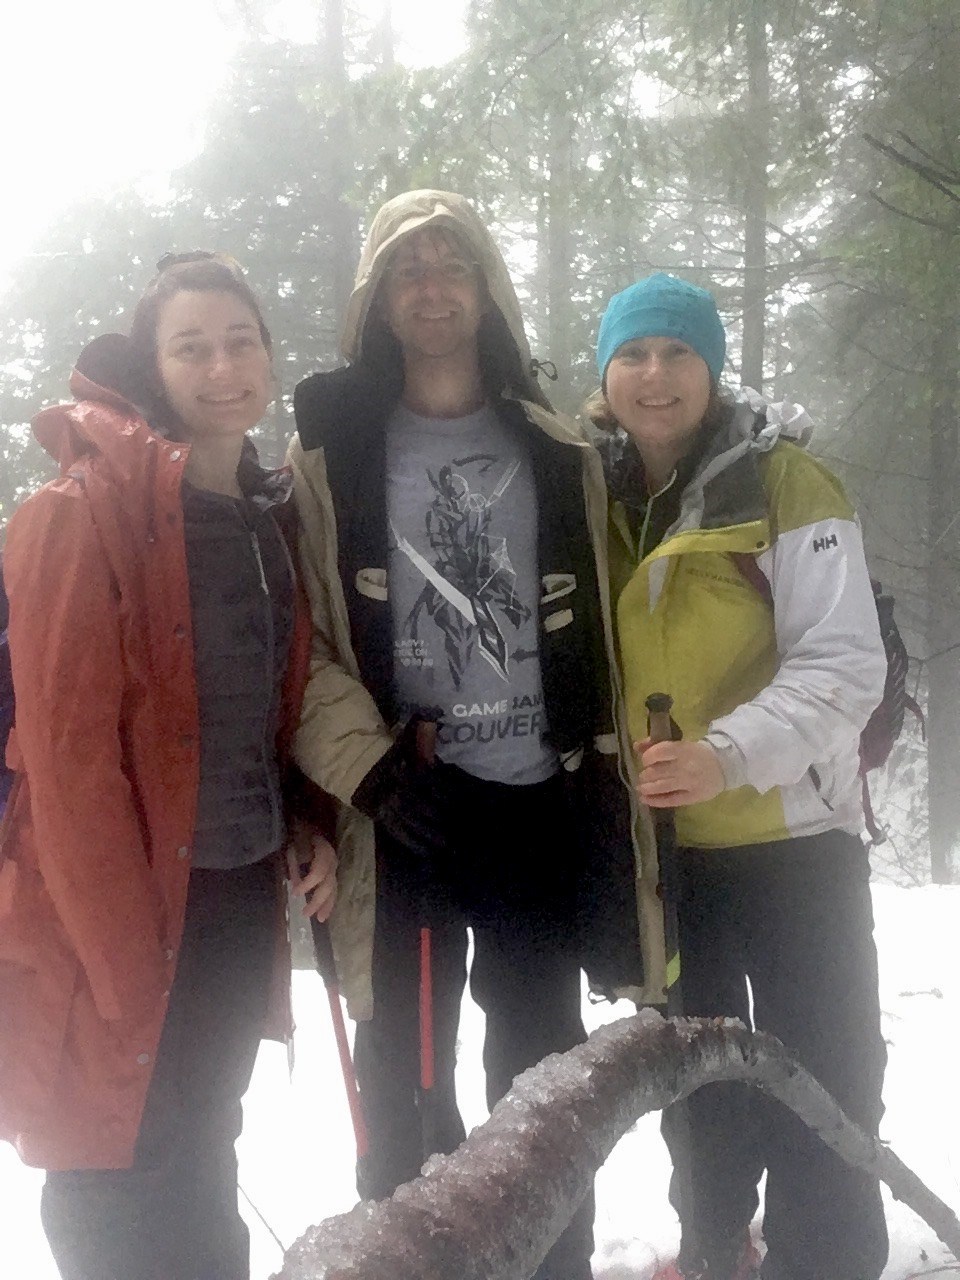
x=801 y=158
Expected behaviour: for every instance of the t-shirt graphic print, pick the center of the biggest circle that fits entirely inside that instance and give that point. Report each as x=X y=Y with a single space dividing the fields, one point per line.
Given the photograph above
x=464 y=592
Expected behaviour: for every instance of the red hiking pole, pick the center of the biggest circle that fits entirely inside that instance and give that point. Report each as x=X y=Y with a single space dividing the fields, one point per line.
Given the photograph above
x=426 y=750
x=426 y=1009
x=328 y=972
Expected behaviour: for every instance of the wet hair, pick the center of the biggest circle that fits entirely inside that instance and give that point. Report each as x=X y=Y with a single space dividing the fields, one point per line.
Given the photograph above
x=197 y=272
x=718 y=413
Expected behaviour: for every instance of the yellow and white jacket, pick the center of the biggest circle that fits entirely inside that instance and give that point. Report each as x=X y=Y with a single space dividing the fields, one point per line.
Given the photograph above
x=781 y=693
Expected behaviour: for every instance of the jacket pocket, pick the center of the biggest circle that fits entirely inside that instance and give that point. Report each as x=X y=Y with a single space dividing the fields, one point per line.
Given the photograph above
x=38 y=980
x=6 y=821
x=823 y=780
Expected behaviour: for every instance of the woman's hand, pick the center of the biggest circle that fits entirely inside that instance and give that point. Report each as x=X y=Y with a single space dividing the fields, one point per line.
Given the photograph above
x=675 y=773
x=312 y=863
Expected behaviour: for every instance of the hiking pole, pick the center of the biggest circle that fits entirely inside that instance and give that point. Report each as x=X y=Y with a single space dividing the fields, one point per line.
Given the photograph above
x=276 y=1239
x=316 y=806
x=661 y=728
x=426 y=753
x=323 y=948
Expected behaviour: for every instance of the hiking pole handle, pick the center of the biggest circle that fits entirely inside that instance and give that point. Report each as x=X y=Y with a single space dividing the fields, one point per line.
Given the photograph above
x=660 y=726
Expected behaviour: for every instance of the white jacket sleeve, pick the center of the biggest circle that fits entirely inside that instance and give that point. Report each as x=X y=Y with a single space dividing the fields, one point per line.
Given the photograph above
x=832 y=661
x=342 y=734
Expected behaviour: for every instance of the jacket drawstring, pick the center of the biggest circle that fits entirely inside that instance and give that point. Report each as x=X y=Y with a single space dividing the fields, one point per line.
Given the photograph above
x=546 y=367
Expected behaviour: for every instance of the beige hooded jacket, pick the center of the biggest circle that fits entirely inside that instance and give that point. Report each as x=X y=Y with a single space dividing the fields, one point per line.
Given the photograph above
x=342 y=734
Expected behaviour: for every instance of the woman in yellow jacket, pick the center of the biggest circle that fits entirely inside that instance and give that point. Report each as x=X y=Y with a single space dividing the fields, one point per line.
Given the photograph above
x=741 y=589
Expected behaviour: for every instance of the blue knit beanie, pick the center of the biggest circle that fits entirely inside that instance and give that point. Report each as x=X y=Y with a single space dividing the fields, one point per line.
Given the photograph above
x=661 y=306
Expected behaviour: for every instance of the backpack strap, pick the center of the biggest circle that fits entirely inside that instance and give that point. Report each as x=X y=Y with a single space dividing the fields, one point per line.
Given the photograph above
x=877 y=833
x=913 y=706
x=748 y=568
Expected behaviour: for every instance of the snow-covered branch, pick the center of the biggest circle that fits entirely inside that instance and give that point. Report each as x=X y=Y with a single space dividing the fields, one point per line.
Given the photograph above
x=492 y=1209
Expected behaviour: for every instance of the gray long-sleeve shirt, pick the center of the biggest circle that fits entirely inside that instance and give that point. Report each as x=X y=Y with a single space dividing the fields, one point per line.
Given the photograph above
x=241 y=600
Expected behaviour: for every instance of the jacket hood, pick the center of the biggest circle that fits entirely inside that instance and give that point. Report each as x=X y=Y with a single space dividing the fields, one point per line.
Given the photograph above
x=105 y=417
x=726 y=488
x=764 y=422
x=112 y=416
x=411 y=212
x=720 y=483
x=753 y=427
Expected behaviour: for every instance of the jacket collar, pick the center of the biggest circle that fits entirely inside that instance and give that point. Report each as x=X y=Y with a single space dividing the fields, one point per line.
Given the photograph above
x=356 y=401
x=720 y=483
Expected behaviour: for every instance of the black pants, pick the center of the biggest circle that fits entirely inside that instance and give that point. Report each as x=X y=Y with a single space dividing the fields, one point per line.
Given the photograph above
x=173 y=1215
x=795 y=917
x=510 y=877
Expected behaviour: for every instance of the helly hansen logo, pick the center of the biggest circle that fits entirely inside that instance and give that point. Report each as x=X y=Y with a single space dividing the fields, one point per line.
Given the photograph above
x=821 y=544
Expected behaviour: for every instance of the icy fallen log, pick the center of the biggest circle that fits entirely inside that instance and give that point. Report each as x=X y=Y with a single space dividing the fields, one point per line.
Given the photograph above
x=492 y=1209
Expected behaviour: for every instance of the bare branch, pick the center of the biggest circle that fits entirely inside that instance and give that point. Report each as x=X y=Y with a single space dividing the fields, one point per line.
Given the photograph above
x=923 y=170
x=913 y=217
x=944 y=174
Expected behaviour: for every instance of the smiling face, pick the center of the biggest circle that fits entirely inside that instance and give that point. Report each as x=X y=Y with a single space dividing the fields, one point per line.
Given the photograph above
x=658 y=390
x=431 y=296
x=212 y=363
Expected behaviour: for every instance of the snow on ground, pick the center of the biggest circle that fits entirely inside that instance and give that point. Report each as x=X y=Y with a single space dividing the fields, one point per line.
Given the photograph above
x=296 y=1153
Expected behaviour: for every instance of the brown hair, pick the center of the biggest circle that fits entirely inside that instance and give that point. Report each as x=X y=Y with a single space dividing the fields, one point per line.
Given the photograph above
x=596 y=409
x=197 y=272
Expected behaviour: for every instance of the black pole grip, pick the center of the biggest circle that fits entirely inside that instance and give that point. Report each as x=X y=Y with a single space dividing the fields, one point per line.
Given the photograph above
x=659 y=724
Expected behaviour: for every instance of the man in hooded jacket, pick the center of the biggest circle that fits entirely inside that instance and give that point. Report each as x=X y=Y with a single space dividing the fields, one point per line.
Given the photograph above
x=451 y=526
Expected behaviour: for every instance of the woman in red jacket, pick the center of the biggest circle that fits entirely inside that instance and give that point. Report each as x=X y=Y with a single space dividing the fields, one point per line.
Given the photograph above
x=159 y=657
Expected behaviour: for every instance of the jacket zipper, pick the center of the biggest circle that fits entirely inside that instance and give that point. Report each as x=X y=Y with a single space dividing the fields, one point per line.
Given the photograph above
x=642 y=539
x=648 y=511
x=275 y=808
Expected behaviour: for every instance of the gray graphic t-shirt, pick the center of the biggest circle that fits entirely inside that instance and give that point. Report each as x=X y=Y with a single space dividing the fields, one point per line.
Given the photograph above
x=464 y=591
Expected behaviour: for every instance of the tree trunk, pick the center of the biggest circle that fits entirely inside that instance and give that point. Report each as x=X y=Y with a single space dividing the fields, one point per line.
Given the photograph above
x=560 y=272
x=386 y=39
x=540 y=320
x=493 y=1209
x=943 y=632
x=756 y=157
x=343 y=226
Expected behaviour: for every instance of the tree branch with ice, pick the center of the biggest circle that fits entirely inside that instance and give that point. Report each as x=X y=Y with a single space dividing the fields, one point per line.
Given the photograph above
x=492 y=1209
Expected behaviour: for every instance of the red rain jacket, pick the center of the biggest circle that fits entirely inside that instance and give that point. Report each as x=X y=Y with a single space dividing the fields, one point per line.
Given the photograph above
x=95 y=844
